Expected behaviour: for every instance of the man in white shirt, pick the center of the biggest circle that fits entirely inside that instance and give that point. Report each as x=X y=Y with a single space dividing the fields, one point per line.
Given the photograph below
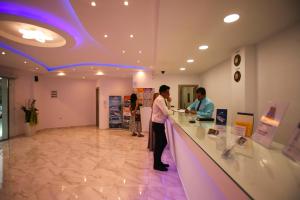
x=159 y=116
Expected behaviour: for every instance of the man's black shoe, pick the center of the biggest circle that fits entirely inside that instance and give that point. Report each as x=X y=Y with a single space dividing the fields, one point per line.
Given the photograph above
x=165 y=165
x=161 y=168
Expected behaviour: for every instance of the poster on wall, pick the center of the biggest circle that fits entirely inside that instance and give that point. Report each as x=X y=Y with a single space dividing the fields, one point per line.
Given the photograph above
x=126 y=112
x=144 y=95
x=269 y=123
x=115 y=112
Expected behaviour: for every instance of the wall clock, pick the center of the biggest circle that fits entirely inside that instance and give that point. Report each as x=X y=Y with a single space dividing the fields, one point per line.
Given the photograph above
x=237 y=60
x=237 y=76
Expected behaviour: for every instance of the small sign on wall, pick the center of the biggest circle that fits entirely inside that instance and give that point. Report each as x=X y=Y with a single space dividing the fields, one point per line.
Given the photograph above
x=54 y=94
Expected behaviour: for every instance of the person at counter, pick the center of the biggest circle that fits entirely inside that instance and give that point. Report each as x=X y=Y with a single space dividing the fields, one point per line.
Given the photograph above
x=159 y=116
x=202 y=106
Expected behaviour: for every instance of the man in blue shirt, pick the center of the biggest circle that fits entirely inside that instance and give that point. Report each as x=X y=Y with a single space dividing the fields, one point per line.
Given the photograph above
x=202 y=106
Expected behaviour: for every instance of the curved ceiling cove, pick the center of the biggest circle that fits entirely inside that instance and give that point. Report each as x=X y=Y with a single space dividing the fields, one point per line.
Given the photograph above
x=54 y=68
x=76 y=30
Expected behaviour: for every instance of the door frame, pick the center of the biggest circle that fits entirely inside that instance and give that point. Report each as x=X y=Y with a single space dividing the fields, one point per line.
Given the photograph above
x=7 y=109
x=180 y=91
x=97 y=106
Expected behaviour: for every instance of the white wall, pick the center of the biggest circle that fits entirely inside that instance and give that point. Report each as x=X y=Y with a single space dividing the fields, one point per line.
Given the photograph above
x=278 y=69
x=278 y=65
x=173 y=81
x=217 y=82
x=75 y=105
x=111 y=87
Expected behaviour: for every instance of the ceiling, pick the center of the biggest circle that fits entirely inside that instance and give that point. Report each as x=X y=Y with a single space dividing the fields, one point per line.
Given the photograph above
x=165 y=33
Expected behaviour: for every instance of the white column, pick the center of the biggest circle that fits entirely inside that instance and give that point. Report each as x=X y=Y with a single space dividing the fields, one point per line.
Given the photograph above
x=244 y=92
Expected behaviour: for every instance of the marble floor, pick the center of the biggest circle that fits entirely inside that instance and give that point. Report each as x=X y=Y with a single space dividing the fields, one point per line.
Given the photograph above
x=85 y=163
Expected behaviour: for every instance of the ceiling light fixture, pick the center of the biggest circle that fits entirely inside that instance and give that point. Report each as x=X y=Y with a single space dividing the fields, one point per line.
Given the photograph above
x=3 y=53
x=25 y=62
x=93 y=3
x=182 y=69
x=99 y=73
x=203 y=47
x=37 y=68
x=61 y=74
x=126 y=3
x=105 y=36
x=35 y=35
x=190 y=61
x=131 y=36
x=140 y=51
x=123 y=51
x=231 y=18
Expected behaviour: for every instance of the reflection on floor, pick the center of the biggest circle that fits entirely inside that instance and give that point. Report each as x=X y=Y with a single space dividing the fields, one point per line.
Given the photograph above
x=85 y=163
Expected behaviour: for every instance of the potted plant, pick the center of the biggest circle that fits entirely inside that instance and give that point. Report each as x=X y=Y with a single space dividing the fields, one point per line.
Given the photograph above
x=31 y=117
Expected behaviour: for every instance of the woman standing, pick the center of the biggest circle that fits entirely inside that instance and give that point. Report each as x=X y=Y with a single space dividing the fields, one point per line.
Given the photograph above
x=135 y=118
x=151 y=138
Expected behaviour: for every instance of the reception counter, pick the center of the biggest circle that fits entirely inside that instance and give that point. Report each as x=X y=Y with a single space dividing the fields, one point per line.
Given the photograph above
x=250 y=172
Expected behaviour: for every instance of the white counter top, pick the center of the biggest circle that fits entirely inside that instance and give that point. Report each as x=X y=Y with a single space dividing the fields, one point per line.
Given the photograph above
x=262 y=173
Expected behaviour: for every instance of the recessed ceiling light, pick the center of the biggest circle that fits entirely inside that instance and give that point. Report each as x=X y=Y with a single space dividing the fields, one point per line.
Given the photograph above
x=131 y=36
x=203 y=47
x=105 y=36
x=126 y=3
x=99 y=73
x=123 y=51
x=3 y=53
x=182 y=69
x=25 y=62
x=190 y=61
x=37 y=35
x=140 y=51
x=93 y=3
x=231 y=18
x=61 y=74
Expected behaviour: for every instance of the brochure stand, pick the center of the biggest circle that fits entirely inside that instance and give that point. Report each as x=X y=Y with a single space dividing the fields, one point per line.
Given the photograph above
x=292 y=150
x=244 y=124
x=269 y=122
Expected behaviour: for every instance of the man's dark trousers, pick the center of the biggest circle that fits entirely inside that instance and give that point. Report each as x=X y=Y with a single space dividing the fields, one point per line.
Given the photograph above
x=160 y=142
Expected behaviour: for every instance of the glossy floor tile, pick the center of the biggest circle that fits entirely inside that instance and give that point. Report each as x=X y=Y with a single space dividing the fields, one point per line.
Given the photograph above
x=85 y=163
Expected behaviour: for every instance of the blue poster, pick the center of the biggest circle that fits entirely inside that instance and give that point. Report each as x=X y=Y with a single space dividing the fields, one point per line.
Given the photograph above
x=115 y=112
x=221 y=117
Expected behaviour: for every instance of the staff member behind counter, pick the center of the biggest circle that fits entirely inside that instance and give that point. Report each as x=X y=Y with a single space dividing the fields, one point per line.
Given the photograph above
x=202 y=106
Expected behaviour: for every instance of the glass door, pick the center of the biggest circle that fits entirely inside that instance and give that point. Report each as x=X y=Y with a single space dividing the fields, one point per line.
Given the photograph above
x=3 y=108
